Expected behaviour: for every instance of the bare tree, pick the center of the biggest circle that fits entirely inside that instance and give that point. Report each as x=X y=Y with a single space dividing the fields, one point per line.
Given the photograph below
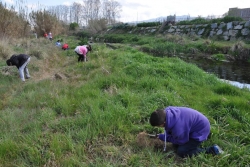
x=76 y=12
x=91 y=10
x=61 y=12
x=12 y=23
x=111 y=10
x=65 y=14
x=96 y=9
x=44 y=21
x=18 y=20
x=115 y=10
x=97 y=25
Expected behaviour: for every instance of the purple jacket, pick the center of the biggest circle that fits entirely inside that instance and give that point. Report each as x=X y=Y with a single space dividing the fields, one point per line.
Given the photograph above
x=184 y=123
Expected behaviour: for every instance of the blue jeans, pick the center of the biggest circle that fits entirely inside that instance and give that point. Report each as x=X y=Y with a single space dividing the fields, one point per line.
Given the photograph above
x=191 y=148
x=23 y=70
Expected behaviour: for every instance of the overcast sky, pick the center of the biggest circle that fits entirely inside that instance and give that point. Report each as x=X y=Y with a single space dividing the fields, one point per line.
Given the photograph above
x=138 y=10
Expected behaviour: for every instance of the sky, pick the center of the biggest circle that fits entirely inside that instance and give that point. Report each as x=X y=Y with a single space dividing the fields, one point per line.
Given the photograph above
x=139 y=10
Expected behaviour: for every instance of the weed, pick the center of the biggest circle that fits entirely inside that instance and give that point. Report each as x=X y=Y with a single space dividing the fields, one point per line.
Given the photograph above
x=218 y=57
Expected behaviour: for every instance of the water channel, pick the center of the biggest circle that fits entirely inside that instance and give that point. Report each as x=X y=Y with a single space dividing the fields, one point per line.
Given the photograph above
x=236 y=73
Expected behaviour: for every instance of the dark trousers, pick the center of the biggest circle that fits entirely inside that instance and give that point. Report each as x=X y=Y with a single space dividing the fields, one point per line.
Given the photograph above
x=191 y=148
x=80 y=57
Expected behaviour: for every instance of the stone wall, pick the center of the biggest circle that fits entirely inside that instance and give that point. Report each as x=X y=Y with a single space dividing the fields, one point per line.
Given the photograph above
x=228 y=31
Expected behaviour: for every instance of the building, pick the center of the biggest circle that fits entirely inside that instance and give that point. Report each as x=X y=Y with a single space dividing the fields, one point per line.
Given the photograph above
x=243 y=13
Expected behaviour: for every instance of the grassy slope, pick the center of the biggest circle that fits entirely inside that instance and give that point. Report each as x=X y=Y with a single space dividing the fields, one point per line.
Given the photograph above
x=92 y=116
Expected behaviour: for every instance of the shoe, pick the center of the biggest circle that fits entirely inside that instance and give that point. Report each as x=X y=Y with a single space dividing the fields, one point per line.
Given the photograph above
x=217 y=150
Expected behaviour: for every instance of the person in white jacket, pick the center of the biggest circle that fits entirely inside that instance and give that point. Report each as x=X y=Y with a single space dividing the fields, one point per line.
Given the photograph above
x=82 y=51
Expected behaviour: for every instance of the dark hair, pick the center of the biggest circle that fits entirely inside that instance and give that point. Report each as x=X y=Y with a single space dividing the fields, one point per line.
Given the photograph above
x=8 y=62
x=158 y=117
x=89 y=48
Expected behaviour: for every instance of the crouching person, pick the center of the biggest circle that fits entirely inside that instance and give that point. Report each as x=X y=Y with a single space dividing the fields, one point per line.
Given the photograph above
x=82 y=51
x=185 y=128
x=20 y=61
x=65 y=46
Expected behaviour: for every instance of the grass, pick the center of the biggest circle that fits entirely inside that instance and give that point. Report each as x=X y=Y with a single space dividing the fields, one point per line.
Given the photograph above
x=170 y=45
x=91 y=116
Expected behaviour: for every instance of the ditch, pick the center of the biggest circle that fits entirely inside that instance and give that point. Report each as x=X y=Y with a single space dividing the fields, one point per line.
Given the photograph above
x=236 y=73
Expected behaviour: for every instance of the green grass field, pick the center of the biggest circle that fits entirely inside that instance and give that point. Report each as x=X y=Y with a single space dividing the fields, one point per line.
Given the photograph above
x=92 y=114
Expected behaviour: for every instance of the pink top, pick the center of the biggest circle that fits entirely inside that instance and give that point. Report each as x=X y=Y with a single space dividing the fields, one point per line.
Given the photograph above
x=81 y=50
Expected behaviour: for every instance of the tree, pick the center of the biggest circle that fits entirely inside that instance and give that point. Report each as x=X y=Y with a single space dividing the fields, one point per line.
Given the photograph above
x=97 y=25
x=61 y=12
x=44 y=21
x=76 y=12
x=12 y=23
x=111 y=10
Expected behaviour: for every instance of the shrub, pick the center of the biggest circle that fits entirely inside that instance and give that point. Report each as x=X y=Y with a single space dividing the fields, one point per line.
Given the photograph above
x=73 y=26
x=83 y=41
x=148 y=24
x=227 y=19
x=83 y=34
x=114 y=38
x=198 y=20
x=125 y=26
x=201 y=20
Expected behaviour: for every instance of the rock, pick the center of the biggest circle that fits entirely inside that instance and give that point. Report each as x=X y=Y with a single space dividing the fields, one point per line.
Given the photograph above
x=245 y=31
x=214 y=25
x=201 y=31
x=59 y=76
x=247 y=24
x=232 y=32
x=211 y=33
x=238 y=27
x=219 y=32
x=225 y=33
x=229 y=26
x=222 y=25
x=171 y=30
x=226 y=38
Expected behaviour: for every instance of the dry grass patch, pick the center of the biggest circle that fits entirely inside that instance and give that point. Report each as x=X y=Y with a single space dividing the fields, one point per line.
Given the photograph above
x=143 y=140
x=5 y=50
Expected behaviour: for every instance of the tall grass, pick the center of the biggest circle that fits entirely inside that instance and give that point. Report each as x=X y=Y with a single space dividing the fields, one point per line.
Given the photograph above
x=180 y=45
x=93 y=115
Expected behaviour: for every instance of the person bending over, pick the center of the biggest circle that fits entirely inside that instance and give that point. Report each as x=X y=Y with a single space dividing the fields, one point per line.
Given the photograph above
x=82 y=51
x=20 y=61
x=186 y=128
x=65 y=46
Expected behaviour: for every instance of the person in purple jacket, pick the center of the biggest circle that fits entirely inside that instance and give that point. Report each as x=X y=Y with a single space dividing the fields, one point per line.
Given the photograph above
x=186 y=128
x=20 y=61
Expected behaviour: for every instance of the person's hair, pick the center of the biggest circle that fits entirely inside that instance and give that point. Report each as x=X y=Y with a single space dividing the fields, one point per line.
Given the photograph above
x=89 y=47
x=158 y=117
x=8 y=62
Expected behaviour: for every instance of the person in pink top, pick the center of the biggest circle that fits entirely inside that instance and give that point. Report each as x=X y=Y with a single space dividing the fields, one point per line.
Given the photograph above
x=82 y=51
